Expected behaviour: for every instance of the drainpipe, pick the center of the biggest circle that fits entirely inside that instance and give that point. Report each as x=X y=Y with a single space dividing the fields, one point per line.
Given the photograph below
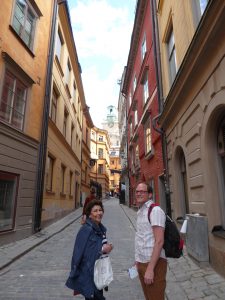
x=160 y=103
x=44 y=131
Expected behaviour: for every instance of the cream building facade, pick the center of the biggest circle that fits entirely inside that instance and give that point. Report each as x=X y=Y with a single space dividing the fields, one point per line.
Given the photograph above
x=86 y=154
x=63 y=162
x=193 y=69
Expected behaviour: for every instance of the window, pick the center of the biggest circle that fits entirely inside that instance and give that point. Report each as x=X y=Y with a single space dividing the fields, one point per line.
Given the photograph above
x=148 y=139
x=100 y=153
x=13 y=101
x=112 y=182
x=198 y=9
x=137 y=160
x=145 y=89
x=131 y=129
x=59 y=45
x=134 y=84
x=172 y=56
x=100 y=169
x=49 y=173
x=65 y=122
x=71 y=183
x=135 y=118
x=143 y=48
x=54 y=106
x=87 y=134
x=24 y=21
x=74 y=91
x=68 y=72
x=63 y=170
x=8 y=194
x=112 y=162
x=100 y=138
x=72 y=135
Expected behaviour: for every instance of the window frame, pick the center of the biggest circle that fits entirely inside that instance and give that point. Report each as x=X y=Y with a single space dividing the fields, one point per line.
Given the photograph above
x=36 y=14
x=143 y=47
x=171 y=53
x=17 y=79
x=49 y=158
x=15 y=178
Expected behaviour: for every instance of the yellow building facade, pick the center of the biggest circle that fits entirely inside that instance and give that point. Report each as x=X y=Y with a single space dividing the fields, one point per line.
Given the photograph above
x=24 y=48
x=115 y=171
x=63 y=162
x=100 y=145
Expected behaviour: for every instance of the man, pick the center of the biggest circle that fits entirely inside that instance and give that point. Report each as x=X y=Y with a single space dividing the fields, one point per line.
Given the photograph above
x=150 y=257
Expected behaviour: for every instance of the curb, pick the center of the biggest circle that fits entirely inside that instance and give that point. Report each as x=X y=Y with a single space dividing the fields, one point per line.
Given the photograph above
x=13 y=251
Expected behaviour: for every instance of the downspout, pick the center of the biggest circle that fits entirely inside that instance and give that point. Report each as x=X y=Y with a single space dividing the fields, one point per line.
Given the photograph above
x=44 y=131
x=160 y=103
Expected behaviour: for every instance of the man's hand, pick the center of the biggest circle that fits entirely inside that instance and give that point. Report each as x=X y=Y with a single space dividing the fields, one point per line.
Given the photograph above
x=149 y=276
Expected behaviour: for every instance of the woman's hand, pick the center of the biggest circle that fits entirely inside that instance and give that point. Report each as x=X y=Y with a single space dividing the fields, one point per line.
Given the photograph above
x=107 y=248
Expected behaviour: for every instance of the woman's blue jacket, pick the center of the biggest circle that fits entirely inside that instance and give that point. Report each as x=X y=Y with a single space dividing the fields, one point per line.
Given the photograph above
x=87 y=248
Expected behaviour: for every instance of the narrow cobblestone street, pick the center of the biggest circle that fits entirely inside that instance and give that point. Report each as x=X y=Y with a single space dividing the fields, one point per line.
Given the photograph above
x=41 y=273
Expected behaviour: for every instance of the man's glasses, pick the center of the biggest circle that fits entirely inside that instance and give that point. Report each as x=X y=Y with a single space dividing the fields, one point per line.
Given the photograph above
x=141 y=192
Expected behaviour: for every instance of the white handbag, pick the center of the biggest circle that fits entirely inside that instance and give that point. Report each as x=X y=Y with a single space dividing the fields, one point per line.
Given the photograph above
x=103 y=273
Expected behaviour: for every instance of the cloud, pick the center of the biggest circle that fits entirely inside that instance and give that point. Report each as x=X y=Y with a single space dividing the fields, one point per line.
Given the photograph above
x=102 y=33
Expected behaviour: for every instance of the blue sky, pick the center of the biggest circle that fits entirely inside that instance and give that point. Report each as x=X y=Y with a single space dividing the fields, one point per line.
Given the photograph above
x=102 y=31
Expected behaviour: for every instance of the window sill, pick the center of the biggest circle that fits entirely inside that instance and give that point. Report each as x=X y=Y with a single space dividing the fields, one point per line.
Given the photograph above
x=59 y=65
x=62 y=195
x=70 y=196
x=149 y=155
x=49 y=192
x=21 y=41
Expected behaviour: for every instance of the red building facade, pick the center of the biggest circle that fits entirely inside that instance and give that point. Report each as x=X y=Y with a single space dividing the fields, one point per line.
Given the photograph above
x=145 y=158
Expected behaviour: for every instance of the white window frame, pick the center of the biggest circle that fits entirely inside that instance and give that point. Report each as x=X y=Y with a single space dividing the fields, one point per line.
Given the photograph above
x=172 y=62
x=145 y=89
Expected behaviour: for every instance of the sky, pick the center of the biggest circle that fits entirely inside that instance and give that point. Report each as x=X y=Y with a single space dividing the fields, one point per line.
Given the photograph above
x=102 y=32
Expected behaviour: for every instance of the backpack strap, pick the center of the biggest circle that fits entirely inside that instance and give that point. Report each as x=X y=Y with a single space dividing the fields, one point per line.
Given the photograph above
x=150 y=210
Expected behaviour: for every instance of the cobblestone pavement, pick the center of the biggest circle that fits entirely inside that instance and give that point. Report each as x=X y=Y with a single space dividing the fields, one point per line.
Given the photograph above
x=40 y=273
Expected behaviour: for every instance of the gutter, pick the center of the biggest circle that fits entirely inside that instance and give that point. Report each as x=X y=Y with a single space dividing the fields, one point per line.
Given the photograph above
x=44 y=131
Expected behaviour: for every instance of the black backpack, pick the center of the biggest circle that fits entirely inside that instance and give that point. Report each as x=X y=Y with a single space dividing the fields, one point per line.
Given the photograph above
x=173 y=243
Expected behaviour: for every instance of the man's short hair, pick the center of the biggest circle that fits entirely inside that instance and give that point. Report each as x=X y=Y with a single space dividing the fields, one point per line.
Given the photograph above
x=149 y=187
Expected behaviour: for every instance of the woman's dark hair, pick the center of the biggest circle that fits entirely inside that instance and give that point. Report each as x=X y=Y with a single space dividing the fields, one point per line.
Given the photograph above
x=91 y=204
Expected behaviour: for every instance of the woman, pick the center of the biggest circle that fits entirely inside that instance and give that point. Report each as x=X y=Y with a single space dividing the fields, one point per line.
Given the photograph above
x=89 y=245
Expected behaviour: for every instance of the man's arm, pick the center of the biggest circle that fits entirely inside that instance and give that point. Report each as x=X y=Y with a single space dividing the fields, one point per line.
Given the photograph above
x=158 y=233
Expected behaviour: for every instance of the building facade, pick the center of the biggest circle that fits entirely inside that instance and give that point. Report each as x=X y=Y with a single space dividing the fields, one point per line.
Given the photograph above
x=63 y=170
x=86 y=154
x=99 y=175
x=145 y=158
x=24 y=48
x=122 y=123
x=193 y=118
